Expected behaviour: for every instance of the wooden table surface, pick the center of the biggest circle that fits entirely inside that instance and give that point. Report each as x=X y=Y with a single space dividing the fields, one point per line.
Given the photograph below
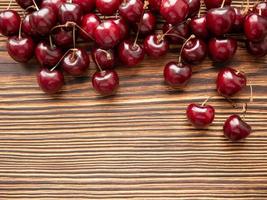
x=135 y=145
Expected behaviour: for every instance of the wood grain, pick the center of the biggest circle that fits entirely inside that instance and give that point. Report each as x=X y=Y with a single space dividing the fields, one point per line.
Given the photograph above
x=136 y=145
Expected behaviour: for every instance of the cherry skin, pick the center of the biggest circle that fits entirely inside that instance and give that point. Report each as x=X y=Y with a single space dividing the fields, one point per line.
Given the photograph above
x=154 y=5
x=104 y=58
x=130 y=53
x=43 y=20
x=76 y=62
x=89 y=23
x=222 y=50
x=107 y=34
x=236 y=129
x=105 y=82
x=261 y=6
x=198 y=27
x=21 y=49
x=255 y=27
x=54 y=4
x=46 y=55
x=220 y=20
x=156 y=45
x=50 y=82
x=131 y=10
x=9 y=22
x=230 y=82
x=176 y=33
x=69 y=12
x=194 y=51
x=239 y=20
x=107 y=7
x=257 y=49
x=174 y=11
x=86 y=5
x=124 y=29
x=63 y=37
x=177 y=75
x=25 y=3
x=200 y=116
x=147 y=23
x=27 y=28
x=194 y=7
x=216 y=3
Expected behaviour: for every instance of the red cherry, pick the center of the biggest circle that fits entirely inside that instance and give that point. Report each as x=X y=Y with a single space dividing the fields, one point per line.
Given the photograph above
x=257 y=49
x=147 y=23
x=9 y=22
x=194 y=7
x=131 y=53
x=76 y=62
x=239 y=20
x=131 y=10
x=105 y=82
x=25 y=3
x=174 y=11
x=46 y=55
x=107 y=7
x=176 y=33
x=104 y=58
x=198 y=27
x=236 y=129
x=156 y=45
x=88 y=24
x=216 y=3
x=230 y=82
x=177 y=74
x=86 y=5
x=154 y=5
x=194 y=51
x=27 y=28
x=63 y=37
x=70 y=12
x=222 y=50
x=261 y=7
x=200 y=116
x=220 y=20
x=124 y=29
x=54 y=4
x=50 y=81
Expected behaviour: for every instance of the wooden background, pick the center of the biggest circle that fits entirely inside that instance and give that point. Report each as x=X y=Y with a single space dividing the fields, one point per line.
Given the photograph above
x=136 y=145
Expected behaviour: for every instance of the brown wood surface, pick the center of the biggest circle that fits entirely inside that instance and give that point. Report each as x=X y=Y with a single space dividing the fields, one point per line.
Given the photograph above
x=135 y=145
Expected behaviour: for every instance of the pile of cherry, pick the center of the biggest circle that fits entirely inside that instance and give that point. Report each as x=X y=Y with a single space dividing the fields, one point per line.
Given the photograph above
x=125 y=29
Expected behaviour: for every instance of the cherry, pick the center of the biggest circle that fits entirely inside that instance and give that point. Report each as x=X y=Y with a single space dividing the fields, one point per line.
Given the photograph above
x=124 y=29
x=63 y=37
x=222 y=50
x=230 y=82
x=88 y=24
x=261 y=7
x=174 y=11
x=46 y=55
x=257 y=49
x=50 y=81
x=194 y=7
x=177 y=74
x=198 y=27
x=236 y=129
x=147 y=23
x=154 y=5
x=9 y=22
x=86 y=5
x=194 y=51
x=255 y=27
x=105 y=82
x=54 y=4
x=76 y=62
x=156 y=45
x=131 y=53
x=239 y=20
x=69 y=12
x=176 y=33
x=107 y=34
x=103 y=58
x=21 y=49
x=25 y=3
x=131 y=10
x=107 y=7
x=220 y=20
x=27 y=28
x=216 y=3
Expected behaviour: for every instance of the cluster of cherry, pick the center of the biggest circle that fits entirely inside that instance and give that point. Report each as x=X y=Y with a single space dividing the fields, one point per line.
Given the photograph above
x=49 y=30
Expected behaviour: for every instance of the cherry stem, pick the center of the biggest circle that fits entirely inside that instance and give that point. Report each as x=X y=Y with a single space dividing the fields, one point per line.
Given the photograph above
x=9 y=5
x=28 y=8
x=223 y=4
x=231 y=102
x=97 y=64
x=106 y=52
x=206 y=101
x=51 y=41
x=191 y=36
x=244 y=110
x=178 y=36
x=35 y=4
x=74 y=36
x=260 y=12
x=20 y=27
x=56 y=65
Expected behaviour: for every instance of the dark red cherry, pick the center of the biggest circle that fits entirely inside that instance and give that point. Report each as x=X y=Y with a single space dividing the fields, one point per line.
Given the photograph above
x=154 y=5
x=124 y=29
x=255 y=27
x=236 y=129
x=63 y=37
x=216 y=3
x=131 y=53
x=147 y=23
x=156 y=45
x=177 y=74
x=9 y=22
x=50 y=82
x=239 y=20
x=194 y=51
x=46 y=55
x=261 y=7
x=76 y=62
x=86 y=5
x=131 y=10
x=103 y=58
x=230 y=82
x=54 y=4
x=194 y=6
x=198 y=27
x=257 y=49
x=21 y=49
x=107 y=7
x=69 y=12
x=200 y=116
x=25 y=3
x=220 y=20
x=107 y=34
x=174 y=11
x=222 y=50
x=105 y=82
x=43 y=20
x=176 y=33
x=88 y=24
x=27 y=28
